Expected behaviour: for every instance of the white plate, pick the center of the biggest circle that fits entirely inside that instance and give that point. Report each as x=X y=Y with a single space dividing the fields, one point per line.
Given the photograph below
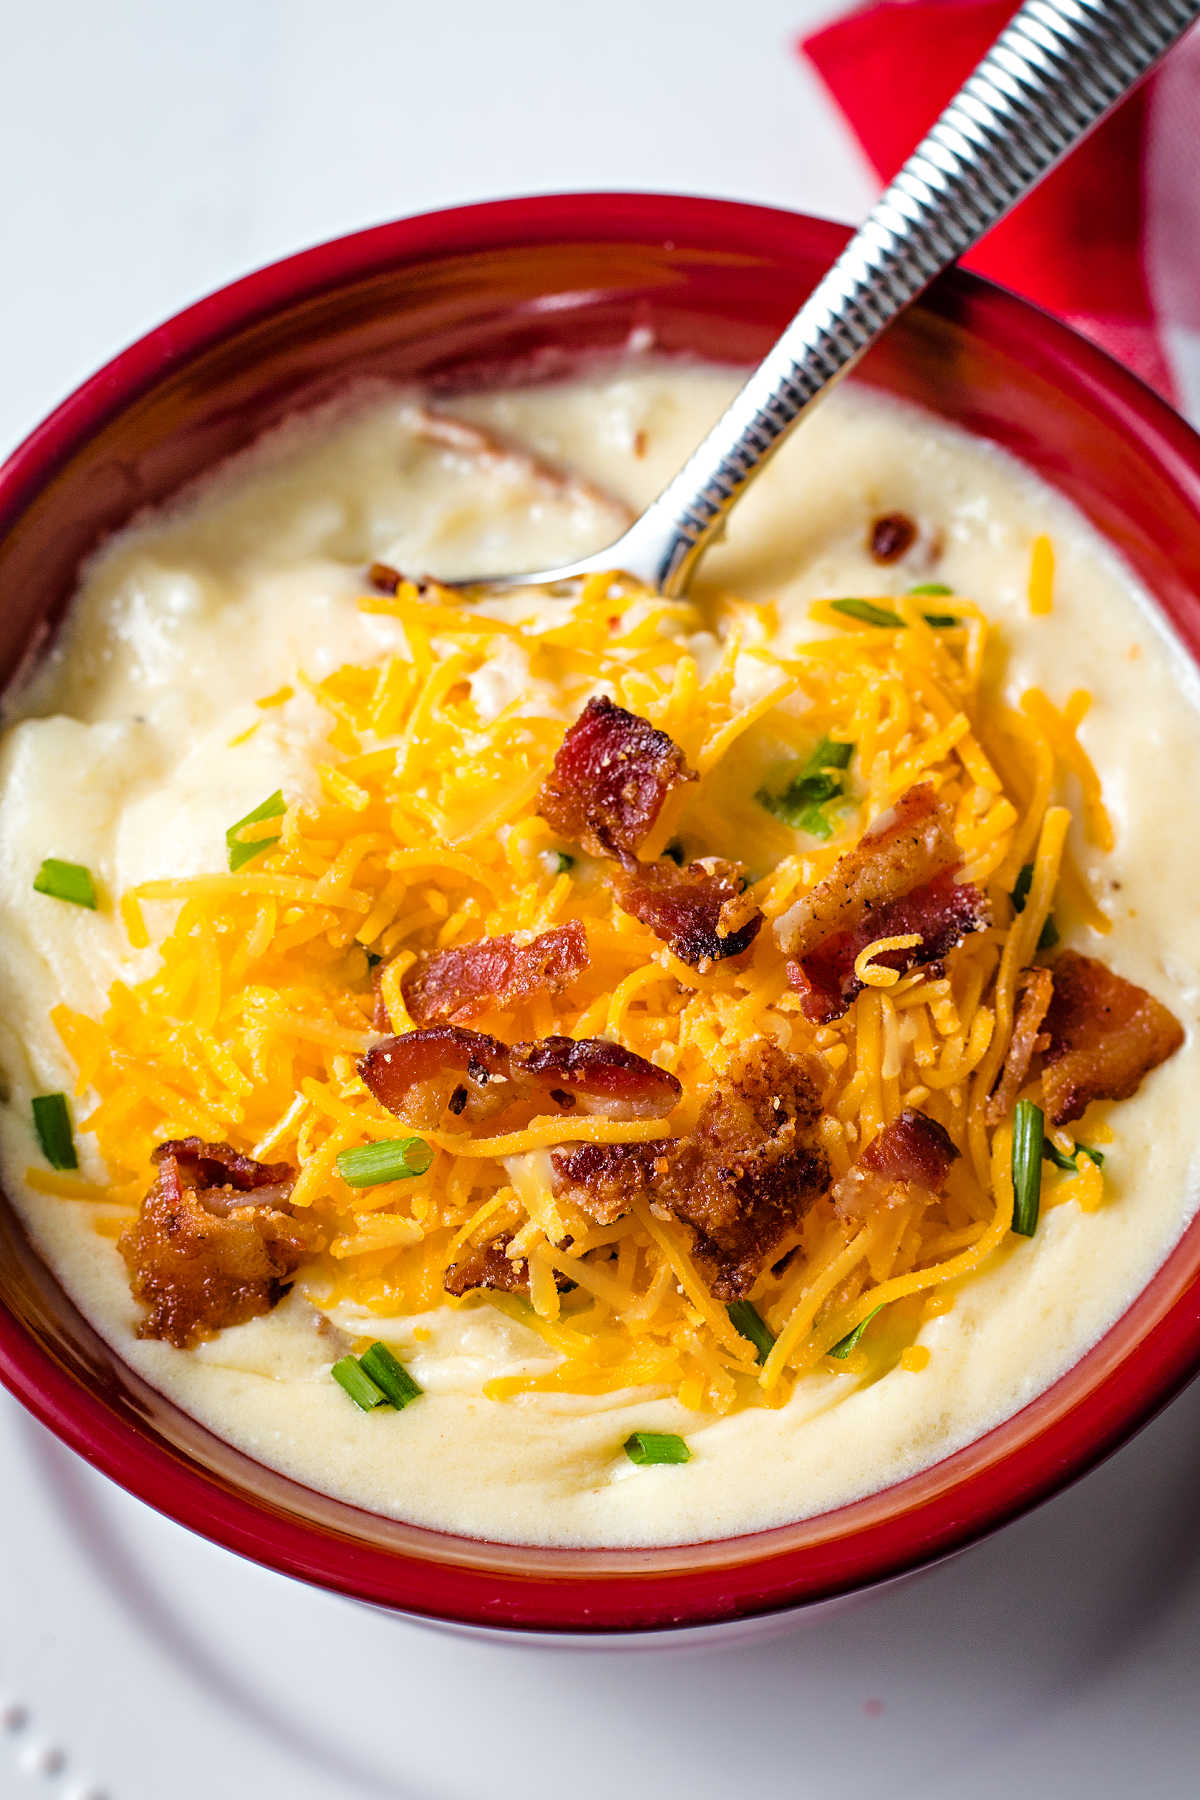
x=139 y=1663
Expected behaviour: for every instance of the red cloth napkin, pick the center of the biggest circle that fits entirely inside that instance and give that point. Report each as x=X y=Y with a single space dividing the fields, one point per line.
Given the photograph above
x=1111 y=240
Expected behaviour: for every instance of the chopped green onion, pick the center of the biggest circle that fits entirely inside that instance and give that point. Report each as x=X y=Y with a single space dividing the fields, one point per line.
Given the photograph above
x=350 y=1375
x=816 y=823
x=273 y=807
x=558 y=861
x=931 y=590
x=656 y=1447
x=1048 y=936
x=1067 y=1164
x=829 y=754
x=814 y=789
x=867 y=613
x=845 y=1345
x=801 y=802
x=375 y=1378
x=747 y=1320
x=392 y=1159
x=52 y=1122
x=66 y=881
x=388 y=1373
x=1029 y=1136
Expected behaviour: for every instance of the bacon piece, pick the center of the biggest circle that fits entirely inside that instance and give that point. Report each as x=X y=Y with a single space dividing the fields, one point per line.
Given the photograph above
x=914 y=1151
x=913 y=1148
x=220 y=1165
x=215 y=1242
x=612 y=773
x=1105 y=1035
x=449 y=986
x=596 y=1075
x=693 y=910
x=440 y=1073
x=891 y=537
x=489 y=1266
x=384 y=578
x=898 y=880
x=1037 y=987
x=443 y=1075
x=941 y=913
x=751 y=1169
x=741 y=1180
x=604 y=1180
x=610 y=779
x=904 y=849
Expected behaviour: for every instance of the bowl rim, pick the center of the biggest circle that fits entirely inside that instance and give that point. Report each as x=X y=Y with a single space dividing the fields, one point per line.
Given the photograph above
x=740 y=1577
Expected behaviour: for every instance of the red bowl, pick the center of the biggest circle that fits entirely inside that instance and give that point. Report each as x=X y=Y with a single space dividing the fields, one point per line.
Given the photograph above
x=529 y=288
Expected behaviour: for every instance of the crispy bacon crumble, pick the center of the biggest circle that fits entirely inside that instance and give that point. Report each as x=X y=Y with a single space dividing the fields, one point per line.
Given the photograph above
x=742 y=1179
x=603 y=1180
x=1036 y=990
x=689 y=908
x=440 y=1070
x=451 y=986
x=905 y=848
x=751 y=1169
x=610 y=780
x=221 y=1166
x=490 y=1266
x=941 y=914
x=383 y=578
x=1106 y=1034
x=897 y=881
x=215 y=1242
x=597 y=1075
x=891 y=537
x=446 y=1076
x=913 y=1151
x=611 y=777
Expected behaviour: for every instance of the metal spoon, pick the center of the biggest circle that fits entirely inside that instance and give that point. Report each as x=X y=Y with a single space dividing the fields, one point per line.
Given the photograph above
x=1051 y=76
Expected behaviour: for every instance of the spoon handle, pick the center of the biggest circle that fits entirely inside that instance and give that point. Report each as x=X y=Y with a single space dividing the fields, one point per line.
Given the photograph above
x=1052 y=75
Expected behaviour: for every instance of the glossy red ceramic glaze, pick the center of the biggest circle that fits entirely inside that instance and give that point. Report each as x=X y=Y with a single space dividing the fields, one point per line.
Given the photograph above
x=531 y=288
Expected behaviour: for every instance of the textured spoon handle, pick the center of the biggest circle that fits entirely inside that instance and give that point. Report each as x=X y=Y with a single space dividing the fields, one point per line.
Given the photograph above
x=1058 y=68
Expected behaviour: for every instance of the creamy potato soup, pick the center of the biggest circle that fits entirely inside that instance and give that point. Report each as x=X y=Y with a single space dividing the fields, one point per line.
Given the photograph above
x=729 y=1053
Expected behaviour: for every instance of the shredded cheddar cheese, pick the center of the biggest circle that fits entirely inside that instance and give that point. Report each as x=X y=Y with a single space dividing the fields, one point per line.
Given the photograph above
x=873 y=974
x=420 y=832
x=1041 y=577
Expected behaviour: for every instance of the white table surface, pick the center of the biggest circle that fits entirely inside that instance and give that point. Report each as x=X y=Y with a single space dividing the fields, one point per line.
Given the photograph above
x=151 y=150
